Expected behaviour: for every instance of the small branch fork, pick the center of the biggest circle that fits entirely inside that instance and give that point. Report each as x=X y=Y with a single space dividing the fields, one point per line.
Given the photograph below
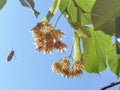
x=111 y=85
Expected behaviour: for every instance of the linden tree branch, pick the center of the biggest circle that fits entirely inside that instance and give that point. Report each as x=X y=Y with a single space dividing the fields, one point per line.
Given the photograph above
x=111 y=85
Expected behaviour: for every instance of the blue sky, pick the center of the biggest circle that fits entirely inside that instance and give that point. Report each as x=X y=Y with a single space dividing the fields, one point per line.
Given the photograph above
x=29 y=69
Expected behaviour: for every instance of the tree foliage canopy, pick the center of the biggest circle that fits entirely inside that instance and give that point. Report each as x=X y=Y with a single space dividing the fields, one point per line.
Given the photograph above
x=93 y=23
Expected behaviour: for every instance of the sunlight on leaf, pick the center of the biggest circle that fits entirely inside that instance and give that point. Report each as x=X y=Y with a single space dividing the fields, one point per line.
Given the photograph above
x=85 y=5
x=96 y=49
x=73 y=8
x=30 y=4
x=2 y=3
x=114 y=61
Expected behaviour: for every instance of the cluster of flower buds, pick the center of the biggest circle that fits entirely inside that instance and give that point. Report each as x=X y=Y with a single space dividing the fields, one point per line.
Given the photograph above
x=63 y=67
x=47 y=38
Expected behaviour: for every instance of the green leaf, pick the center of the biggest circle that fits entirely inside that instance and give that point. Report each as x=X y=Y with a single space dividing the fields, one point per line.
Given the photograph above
x=2 y=3
x=82 y=31
x=104 y=13
x=114 y=61
x=30 y=4
x=85 y=6
x=53 y=9
x=96 y=49
x=77 y=9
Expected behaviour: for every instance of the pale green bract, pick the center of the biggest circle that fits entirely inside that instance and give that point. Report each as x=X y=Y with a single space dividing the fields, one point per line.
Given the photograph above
x=53 y=9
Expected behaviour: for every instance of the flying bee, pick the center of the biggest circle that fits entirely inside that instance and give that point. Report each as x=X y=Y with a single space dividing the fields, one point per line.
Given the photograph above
x=10 y=55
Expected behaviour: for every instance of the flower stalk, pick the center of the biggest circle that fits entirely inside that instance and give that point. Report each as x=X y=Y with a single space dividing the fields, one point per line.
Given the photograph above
x=77 y=49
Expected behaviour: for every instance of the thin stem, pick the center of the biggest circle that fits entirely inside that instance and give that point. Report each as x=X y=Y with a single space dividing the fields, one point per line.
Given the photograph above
x=72 y=49
x=66 y=9
x=111 y=85
x=58 y=19
x=70 y=55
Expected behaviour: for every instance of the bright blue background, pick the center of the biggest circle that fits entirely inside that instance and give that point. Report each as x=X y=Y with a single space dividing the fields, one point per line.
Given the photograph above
x=29 y=69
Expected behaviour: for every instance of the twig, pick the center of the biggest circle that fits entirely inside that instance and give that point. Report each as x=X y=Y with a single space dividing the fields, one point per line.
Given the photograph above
x=111 y=85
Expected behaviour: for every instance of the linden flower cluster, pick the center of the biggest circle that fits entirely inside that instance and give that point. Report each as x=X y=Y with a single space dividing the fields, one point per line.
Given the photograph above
x=63 y=67
x=46 y=38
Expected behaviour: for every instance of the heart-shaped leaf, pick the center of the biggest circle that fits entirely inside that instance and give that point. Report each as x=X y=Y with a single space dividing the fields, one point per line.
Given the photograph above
x=96 y=49
x=104 y=13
